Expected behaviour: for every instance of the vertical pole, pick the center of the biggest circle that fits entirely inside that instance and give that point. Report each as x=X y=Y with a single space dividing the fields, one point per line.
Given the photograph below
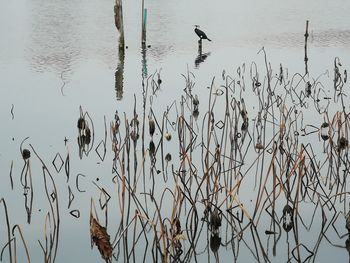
x=305 y=46
x=144 y=21
x=200 y=47
x=118 y=17
x=119 y=73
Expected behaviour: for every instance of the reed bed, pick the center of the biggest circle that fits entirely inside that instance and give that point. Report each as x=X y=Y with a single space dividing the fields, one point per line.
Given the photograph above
x=250 y=167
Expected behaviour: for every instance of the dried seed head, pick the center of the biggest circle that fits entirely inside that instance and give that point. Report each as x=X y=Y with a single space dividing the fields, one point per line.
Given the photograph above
x=325 y=125
x=152 y=148
x=152 y=126
x=26 y=154
x=195 y=100
x=244 y=126
x=195 y=113
x=287 y=218
x=87 y=132
x=324 y=137
x=168 y=157
x=259 y=146
x=343 y=143
x=81 y=123
x=215 y=241
x=167 y=136
x=215 y=219
x=134 y=136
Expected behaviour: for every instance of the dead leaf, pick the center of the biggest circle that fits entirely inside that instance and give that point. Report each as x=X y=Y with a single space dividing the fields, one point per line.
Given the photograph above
x=101 y=239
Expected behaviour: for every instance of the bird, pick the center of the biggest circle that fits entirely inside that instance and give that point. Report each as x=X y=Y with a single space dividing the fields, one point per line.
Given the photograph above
x=200 y=33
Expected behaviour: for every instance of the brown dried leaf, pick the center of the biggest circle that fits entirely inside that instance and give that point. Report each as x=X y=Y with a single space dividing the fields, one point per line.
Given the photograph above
x=101 y=239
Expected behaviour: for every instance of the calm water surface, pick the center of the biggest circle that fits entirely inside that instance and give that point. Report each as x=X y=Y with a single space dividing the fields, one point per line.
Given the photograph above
x=56 y=56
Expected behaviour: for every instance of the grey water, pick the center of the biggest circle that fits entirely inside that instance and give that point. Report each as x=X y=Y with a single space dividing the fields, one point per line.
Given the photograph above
x=56 y=56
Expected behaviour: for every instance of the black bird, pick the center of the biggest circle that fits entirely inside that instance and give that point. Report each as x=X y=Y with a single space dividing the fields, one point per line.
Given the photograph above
x=200 y=33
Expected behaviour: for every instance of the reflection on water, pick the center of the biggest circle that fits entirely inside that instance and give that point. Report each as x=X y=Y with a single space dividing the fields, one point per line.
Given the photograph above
x=63 y=35
x=201 y=56
x=119 y=74
x=329 y=38
x=144 y=60
x=159 y=51
x=54 y=36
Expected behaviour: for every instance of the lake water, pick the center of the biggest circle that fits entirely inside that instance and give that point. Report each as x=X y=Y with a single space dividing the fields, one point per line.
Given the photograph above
x=58 y=56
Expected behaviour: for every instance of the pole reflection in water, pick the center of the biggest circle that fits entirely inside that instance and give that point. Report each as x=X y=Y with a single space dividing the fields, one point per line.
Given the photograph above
x=119 y=74
x=144 y=60
x=201 y=56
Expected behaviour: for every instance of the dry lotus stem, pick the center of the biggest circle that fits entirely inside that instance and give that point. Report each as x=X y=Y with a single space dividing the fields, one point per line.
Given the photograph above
x=101 y=239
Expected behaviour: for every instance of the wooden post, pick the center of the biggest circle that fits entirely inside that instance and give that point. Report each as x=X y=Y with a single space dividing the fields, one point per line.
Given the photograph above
x=144 y=22
x=305 y=46
x=200 y=47
x=118 y=17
